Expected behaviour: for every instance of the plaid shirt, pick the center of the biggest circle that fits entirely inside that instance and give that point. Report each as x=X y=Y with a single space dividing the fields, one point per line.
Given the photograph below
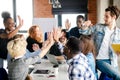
x=99 y=32
x=79 y=69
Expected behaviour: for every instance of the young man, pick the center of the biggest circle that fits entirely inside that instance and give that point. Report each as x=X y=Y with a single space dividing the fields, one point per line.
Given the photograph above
x=78 y=63
x=75 y=30
x=104 y=36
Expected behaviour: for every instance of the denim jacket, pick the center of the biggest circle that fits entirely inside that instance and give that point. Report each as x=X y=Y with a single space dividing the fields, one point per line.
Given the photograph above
x=98 y=32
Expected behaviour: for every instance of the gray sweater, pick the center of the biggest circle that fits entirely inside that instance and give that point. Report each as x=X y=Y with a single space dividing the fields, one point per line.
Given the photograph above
x=18 y=68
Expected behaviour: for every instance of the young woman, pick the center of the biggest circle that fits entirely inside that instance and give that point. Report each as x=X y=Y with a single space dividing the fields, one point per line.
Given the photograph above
x=87 y=48
x=7 y=33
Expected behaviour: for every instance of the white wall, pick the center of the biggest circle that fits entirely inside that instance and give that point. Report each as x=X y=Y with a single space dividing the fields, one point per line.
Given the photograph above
x=117 y=3
x=101 y=6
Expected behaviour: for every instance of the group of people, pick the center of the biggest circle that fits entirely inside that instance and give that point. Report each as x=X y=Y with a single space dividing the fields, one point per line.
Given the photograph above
x=86 y=48
x=103 y=36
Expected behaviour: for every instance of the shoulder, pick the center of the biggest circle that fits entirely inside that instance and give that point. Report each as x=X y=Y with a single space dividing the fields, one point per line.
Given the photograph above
x=74 y=28
x=100 y=25
x=2 y=31
x=29 y=39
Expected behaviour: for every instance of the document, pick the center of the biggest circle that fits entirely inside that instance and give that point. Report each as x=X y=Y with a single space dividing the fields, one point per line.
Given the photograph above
x=116 y=47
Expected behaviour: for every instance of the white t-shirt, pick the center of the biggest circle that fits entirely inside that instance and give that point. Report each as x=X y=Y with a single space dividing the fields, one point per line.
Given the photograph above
x=104 y=49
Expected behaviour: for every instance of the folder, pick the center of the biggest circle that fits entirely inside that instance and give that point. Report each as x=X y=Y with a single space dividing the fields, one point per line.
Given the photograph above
x=116 y=47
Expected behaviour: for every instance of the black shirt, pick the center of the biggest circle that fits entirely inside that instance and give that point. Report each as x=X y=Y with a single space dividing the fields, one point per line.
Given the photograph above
x=3 y=45
x=74 y=32
x=30 y=42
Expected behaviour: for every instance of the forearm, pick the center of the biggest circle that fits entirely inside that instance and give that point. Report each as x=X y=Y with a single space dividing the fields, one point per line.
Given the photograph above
x=87 y=31
x=45 y=50
x=13 y=33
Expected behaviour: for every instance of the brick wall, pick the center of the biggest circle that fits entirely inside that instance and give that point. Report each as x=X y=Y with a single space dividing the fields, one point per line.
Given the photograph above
x=42 y=9
x=92 y=11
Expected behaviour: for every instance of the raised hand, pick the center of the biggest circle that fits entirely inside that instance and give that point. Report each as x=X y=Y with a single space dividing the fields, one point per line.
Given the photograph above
x=57 y=34
x=20 y=22
x=47 y=44
x=86 y=25
x=50 y=38
x=67 y=24
x=49 y=41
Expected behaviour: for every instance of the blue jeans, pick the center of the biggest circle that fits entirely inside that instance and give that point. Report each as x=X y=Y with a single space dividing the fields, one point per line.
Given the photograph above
x=104 y=65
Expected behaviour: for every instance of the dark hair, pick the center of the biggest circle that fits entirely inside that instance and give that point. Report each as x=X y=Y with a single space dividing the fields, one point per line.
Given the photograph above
x=63 y=30
x=73 y=45
x=80 y=16
x=87 y=44
x=113 y=11
x=5 y=16
x=66 y=34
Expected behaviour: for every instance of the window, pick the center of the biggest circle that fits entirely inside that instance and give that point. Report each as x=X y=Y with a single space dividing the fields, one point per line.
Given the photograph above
x=70 y=17
x=5 y=5
x=25 y=10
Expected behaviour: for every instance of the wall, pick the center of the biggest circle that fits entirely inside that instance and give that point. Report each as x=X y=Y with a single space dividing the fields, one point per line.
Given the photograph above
x=101 y=6
x=92 y=11
x=42 y=9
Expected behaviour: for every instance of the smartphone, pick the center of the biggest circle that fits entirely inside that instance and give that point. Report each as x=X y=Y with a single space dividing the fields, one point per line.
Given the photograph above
x=42 y=72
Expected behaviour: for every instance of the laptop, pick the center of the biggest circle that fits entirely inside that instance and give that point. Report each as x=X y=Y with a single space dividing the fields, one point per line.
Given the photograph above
x=52 y=59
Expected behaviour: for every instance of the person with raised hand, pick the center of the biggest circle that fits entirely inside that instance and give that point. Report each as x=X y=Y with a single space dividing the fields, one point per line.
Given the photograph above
x=6 y=34
x=75 y=30
x=104 y=35
x=18 y=65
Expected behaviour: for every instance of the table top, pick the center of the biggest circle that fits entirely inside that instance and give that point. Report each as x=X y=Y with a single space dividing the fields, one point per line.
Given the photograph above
x=53 y=72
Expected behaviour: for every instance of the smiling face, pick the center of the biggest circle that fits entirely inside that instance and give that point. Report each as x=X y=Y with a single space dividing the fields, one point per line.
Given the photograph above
x=9 y=24
x=63 y=37
x=36 y=33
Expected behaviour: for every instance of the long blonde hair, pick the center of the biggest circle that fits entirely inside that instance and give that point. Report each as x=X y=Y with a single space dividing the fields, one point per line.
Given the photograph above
x=32 y=33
